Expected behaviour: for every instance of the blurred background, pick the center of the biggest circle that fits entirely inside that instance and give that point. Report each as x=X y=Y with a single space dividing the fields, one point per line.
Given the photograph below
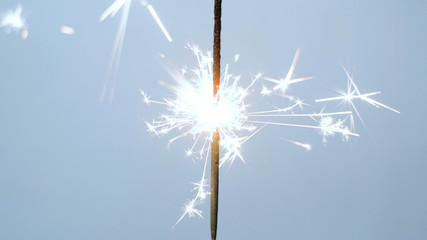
x=72 y=167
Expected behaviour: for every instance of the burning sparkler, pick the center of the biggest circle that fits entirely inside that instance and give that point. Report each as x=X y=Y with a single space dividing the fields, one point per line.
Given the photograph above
x=112 y=10
x=14 y=21
x=196 y=113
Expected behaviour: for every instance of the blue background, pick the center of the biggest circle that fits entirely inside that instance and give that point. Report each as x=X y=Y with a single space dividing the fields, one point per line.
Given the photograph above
x=74 y=168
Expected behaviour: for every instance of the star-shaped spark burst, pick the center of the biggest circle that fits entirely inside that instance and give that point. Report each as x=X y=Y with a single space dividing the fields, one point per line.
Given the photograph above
x=283 y=84
x=112 y=10
x=353 y=93
x=194 y=112
x=14 y=21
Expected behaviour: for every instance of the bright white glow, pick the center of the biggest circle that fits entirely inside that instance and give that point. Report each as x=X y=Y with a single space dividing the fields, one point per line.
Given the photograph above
x=67 y=30
x=14 y=21
x=159 y=22
x=197 y=112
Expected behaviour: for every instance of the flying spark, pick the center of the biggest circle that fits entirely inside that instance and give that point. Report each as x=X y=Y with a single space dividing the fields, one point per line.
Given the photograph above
x=283 y=84
x=354 y=93
x=193 y=112
x=236 y=57
x=159 y=22
x=306 y=146
x=67 y=30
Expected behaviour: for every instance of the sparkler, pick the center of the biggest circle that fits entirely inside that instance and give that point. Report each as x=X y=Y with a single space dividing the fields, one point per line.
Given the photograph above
x=14 y=21
x=112 y=10
x=195 y=112
x=206 y=111
x=216 y=136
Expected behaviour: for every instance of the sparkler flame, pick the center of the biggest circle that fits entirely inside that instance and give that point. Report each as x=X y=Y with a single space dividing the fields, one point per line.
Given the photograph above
x=196 y=113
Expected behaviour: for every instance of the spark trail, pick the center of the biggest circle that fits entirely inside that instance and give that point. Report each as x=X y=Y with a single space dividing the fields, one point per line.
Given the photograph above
x=112 y=10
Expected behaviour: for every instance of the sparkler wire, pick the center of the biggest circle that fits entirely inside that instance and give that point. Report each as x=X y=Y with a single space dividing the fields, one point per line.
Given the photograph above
x=215 y=138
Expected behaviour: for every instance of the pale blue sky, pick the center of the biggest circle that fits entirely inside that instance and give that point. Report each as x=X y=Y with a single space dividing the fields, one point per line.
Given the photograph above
x=73 y=168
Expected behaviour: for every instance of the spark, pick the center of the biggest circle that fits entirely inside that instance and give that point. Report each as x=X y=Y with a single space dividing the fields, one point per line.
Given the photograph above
x=266 y=91
x=283 y=84
x=118 y=44
x=194 y=112
x=14 y=21
x=24 y=34
x=353 y=93
x=67 y=30
x=189 y=208
x=159 y=22
x=236 y=57
x=306 y=146
x=113 y=9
